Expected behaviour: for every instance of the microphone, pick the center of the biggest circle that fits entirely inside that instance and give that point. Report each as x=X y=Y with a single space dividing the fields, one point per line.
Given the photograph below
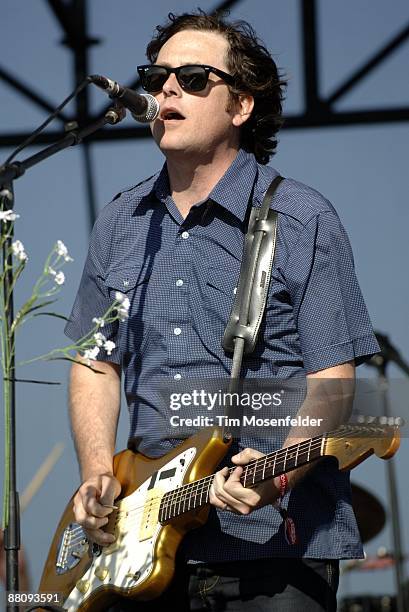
x=144 y=107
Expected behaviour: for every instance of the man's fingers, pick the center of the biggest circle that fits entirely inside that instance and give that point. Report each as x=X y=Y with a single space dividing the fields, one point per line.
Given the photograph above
x=246 y=455
x=90 y=501
x=248 y=497
x=110 y=489
x=216 y=494
x=85 y=518
x=223 y=498
x=92 y=525
x=235 y=475
x=100 y=537
x=98 y=498
x=90 y=510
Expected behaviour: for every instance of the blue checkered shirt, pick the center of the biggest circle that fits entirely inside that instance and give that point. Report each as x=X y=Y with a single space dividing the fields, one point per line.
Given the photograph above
x=180 y=276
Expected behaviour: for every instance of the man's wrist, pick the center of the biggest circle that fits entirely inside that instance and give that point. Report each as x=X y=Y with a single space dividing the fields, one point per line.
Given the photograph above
x=96 y=472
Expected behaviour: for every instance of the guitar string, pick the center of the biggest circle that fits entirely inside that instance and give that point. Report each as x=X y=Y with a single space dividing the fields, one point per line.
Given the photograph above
x=187 y=491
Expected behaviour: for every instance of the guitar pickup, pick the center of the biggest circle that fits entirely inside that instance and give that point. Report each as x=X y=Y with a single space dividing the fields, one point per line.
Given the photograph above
x=167 y=474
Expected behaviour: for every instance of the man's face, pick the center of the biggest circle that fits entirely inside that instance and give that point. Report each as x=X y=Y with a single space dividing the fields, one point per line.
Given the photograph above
x=207 y=126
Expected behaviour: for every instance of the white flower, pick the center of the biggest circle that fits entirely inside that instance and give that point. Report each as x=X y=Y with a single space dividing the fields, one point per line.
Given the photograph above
x=91 y=353
x=109 y=346
x=124 y=304
x=18 y=250
x=120 y=297
x=98 y=321
x=122 y=313
x=60 y=278
x=99 y=339
x=62 y=250
x=17 y=246
x=8 y=215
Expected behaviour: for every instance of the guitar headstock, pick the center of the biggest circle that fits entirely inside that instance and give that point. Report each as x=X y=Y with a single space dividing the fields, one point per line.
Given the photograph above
x=354 y=442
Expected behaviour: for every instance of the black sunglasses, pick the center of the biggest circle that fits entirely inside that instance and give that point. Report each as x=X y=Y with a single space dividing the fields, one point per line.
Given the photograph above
x=192 y=77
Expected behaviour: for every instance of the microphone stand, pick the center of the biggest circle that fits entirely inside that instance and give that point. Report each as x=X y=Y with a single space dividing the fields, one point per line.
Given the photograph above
x=380 y=362
x=8 y=173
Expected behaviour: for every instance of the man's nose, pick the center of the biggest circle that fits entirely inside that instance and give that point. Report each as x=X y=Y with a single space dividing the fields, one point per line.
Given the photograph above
x=171 y=85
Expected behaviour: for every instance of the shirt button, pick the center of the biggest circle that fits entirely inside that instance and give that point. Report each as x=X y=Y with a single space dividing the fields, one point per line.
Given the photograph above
x=185 y=235
x=177 y=331
x=179 y=282
x=177 y=376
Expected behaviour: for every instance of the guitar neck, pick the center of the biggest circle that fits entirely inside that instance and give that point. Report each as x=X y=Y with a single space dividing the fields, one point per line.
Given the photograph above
x=350 y=444
x=196 y=494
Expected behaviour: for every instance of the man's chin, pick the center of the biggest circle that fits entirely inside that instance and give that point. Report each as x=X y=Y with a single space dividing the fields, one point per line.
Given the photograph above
x=175 y=147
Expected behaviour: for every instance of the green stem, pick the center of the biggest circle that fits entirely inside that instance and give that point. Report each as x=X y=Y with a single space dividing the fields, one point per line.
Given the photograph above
x=7 y=351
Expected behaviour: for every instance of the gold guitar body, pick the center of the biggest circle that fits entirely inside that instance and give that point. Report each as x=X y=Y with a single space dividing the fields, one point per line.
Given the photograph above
x=140 y=564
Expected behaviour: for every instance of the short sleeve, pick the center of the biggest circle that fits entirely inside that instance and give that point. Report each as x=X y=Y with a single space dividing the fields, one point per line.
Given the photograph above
x=93 y=300
x=329 y=311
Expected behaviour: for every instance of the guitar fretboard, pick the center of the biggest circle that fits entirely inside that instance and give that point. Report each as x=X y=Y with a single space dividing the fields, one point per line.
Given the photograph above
x=196 y=494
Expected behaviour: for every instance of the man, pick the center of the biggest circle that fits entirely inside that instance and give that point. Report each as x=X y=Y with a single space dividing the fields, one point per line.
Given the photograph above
x=173 y=244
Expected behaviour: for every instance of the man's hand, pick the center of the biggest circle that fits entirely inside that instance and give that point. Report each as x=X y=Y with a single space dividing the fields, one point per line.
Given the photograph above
x=227 y=493
x=89 y=506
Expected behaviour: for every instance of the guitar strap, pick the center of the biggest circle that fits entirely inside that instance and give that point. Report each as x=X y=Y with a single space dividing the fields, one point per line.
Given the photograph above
x=240 y=335
x=242 y=329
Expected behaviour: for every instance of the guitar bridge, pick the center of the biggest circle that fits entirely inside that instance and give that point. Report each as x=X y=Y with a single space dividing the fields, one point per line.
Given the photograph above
x=72 y=547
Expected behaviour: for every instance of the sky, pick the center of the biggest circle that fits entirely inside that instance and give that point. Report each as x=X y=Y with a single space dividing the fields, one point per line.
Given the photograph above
x=362 y=170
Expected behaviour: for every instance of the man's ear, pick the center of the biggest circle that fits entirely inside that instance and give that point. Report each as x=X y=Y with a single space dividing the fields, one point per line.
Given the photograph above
x=244 y=107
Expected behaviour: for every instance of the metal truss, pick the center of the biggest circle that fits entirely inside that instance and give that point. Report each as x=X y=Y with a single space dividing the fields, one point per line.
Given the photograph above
x=318 y=111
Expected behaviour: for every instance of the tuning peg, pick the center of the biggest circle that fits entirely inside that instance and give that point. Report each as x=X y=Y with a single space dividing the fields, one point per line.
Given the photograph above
x=367 y=420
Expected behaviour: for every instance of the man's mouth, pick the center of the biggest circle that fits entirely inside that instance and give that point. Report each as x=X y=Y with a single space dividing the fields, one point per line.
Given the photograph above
x=171 y=115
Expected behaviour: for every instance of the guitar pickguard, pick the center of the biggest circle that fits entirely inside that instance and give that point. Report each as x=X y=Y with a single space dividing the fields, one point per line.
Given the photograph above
x=129 y=561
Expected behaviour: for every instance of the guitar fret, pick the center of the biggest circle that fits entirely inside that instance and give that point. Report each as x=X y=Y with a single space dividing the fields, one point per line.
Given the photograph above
x=168 y=507
x=274 y=464
x=264 y=468
x=285 y=460
x=296 y=455
x=254 y=472
x=191 y=495
x=322 y=446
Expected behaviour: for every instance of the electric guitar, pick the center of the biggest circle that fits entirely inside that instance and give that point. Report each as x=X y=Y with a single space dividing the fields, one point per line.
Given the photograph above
x=162 y=499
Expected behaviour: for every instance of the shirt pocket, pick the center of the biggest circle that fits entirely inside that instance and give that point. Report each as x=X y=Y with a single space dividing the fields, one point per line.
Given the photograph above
x=220 y=292
x=132 y=282
x=278 y=303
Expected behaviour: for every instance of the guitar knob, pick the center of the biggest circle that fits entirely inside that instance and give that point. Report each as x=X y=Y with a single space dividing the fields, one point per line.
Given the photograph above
x=133 y=575
x=101 y=573
x=83 y=586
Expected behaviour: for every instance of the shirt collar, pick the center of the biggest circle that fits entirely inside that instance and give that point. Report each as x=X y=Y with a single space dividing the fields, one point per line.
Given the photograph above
x=233 y=189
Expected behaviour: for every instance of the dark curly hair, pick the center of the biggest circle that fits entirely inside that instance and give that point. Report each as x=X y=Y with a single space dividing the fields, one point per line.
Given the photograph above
x=252 y=67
